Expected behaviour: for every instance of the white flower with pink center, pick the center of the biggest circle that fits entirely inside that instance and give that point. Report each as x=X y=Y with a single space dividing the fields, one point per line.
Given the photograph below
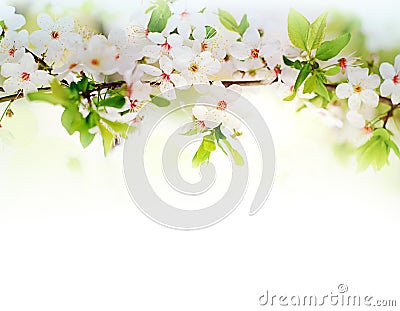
x=391 y=85
x=164 y=44
x=197 y=68
x=54 y=37
x=99 y=56
x=253 y=47
x=166 y=77
x=12 y=47
x=185 y=15
x=360 y=91
x=24 y=76
x=211 y=109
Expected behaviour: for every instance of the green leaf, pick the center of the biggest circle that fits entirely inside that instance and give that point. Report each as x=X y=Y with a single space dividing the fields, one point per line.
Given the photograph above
x=203 y=153
x=290 y=97
x=117 y=101
x=317 y=32
x=149 y=9
x=303 y=74
x=117 y=127
x=86 y=138
x=210 y=32
x=321 y=89
x=159 y=17
x=160 y=101
x=72 y=119
x=108 y=138
x=243 y=26
x=332 y=71
x=310 y=85
x=287 y=61
x=209 y=143
x=235 y=154
x=298 y=28
x=227 y=20
x=329 y=49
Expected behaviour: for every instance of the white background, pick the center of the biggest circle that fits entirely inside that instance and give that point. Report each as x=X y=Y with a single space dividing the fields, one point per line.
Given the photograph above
x=72 y=239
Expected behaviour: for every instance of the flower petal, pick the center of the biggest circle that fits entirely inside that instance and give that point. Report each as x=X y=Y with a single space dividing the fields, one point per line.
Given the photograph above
x=369 y=98
x=166 y=65
x=356 y=75
x=240 y=50
x=45 y=22
x=343 y=90
x=372 y=82
x=387 y=87
x=387 y=71
x=354 y=102
x=15 y=22
x=200 y=112
x=355 y=119
x=252 y=37
x=156 y=37
x=397 y=64
x=199 y=33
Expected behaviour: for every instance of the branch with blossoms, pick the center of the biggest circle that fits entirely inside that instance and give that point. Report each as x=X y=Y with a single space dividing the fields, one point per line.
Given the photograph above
x=103 y=82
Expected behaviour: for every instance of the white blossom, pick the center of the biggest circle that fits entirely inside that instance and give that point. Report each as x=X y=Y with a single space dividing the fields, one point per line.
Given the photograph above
x=24 y=75
x=12 y=47
x=12 y=21
x=391 y=85
x=54 y=37
x=197 y=68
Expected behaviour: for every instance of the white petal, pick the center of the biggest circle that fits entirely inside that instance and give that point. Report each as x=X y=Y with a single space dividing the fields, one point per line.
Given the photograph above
x=369 y=98
x=200 y=112
x=184 y=30
x=10 y=70
x=118 y=37
x=15 y=22
x=12 y=85
x=270 y=48
x=344 y=90
x=166 y=65
x=387 y=87
x=252 y=37
x=175 y=40
x=240 y=50
x=354 y=102
x=395 y=98
x=397 y=64
x=372 y=82
x=152 y=51
x=355 y=119
x=356 y=75
x=167 y=90
x=231 y=122
x=65 y=24
x=156 y=37
x=44 y=21
x=387 y=71
x=178 y=80
x=150 y=70
x=199 y=33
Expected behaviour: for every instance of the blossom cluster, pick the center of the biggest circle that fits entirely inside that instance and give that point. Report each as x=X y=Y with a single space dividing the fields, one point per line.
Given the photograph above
x=109 y=78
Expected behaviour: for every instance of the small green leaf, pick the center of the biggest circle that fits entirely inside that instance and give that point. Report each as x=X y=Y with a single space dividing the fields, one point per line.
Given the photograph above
x=227 y=20
x=298 y=27
x=108 y=138
x=117 y=101
x=235 y=154
x=149 y=9
x=317 y=32
x=321 y=89
x=117 y=127
x=159 y=17
x=310 y=85
x=290 y=97
x=243 y=26
x=332 y=71
x=287 y=61
x=86 y=138
x=329 y=49
x=303 y=74
x=72 y=119
x=210 y=32
x=160 y=101
x=209 y=143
